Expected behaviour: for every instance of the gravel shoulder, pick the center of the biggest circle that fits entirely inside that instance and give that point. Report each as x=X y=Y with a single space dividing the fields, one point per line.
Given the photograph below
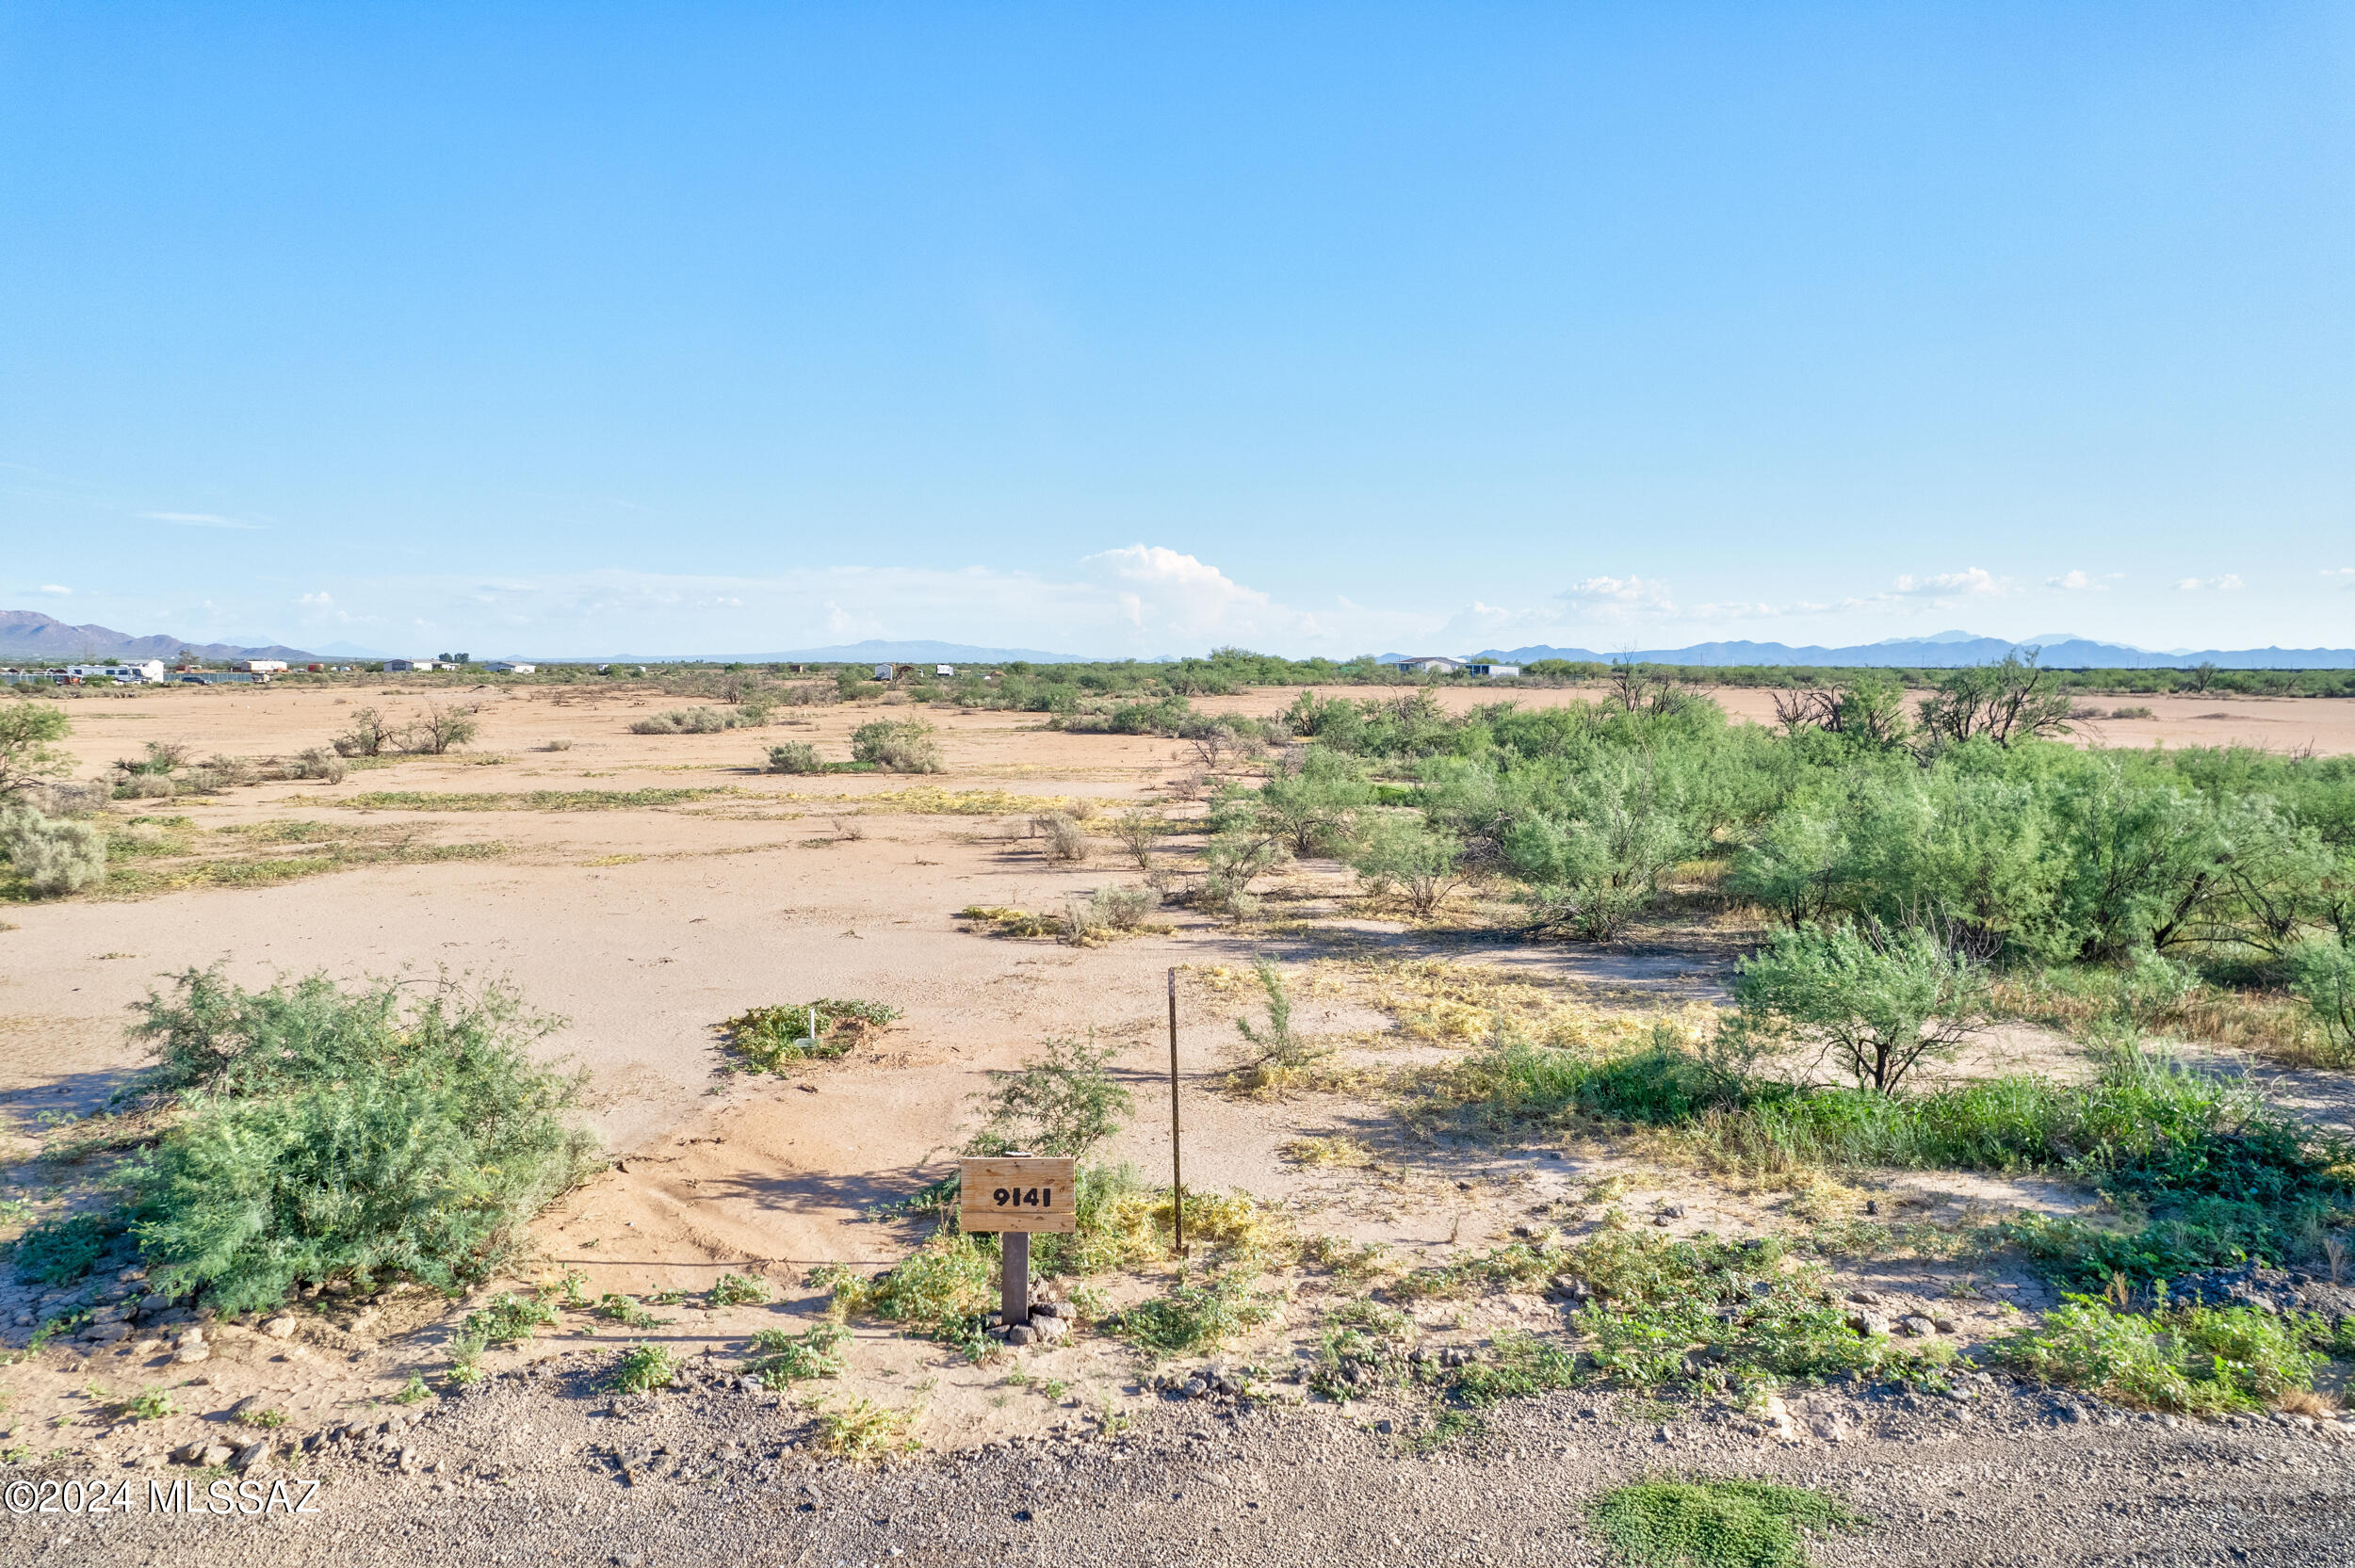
x=545 y=1465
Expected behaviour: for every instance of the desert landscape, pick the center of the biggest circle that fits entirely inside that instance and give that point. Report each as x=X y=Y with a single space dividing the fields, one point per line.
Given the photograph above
x=644 y=889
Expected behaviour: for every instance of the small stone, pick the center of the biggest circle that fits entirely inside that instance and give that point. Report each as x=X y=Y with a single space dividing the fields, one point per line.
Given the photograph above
x=1020 y=1333
x=1865 y=1298
x=217 y=1454
x=250 y=1455
x=1867 y=1323
x=1051 y=1329
x=106 y=1333
x=1386 y=1425
x=1871 y=1206
x=1916 y=1326
x=188 y=1355
x=280 y=1327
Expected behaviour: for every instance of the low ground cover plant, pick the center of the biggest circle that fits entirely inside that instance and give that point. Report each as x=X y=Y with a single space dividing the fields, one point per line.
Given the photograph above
x=2199 y=1359
x=643 y=1369
x=1695 y=1522
x=700 y=720
x=779 y=1360
x=771 y=1039
x=795 y=756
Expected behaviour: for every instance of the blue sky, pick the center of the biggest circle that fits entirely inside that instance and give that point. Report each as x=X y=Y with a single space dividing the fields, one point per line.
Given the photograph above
x=569 y=328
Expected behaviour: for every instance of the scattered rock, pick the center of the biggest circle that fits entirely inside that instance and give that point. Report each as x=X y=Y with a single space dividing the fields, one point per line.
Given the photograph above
x=1916 y=1326
x=1867 y=1323
x=1865 y=1298
x=1020 y=1333
x=217 y=1454
x=280 y=1327
x=250 y=1455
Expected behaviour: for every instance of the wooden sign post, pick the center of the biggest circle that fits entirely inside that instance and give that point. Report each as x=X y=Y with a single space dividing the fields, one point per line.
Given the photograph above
x=1014 y=1195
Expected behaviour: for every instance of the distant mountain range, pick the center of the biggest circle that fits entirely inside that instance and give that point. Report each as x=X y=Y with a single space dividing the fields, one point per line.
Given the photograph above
x=1948 y=650
x=30 y=634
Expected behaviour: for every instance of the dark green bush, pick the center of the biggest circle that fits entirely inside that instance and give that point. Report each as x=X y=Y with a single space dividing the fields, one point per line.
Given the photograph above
x=369 y=1135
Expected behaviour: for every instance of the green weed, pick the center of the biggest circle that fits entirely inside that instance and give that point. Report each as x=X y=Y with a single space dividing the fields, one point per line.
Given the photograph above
x=508 y=1319
x=642 y=1370
x=780 y=1359
x=1698 y=1523
x=769 y=1039
x=736 y=1290
x=1192 y=1316
x=2199 y=1359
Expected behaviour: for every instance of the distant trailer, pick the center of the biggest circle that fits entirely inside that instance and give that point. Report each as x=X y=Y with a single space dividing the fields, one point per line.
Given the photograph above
x=260 y=667
x=501 y=667
x=140 y=670
x=944 y=669
x=395 y=667
x=883 y=671
x=1494 y=671
x=1432 y=665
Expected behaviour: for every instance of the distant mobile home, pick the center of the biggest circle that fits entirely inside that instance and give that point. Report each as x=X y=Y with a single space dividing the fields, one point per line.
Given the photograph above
x=394 y=667
x=1431 y=664
x=501 y=667
x=1495 y=671
x=261 y=667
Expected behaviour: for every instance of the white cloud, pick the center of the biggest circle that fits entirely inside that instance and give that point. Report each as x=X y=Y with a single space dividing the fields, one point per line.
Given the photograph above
x=2082 y=582
x=1634 y=592
x=57 y=589
x=2225 y=583
x=1948 y=585
x=1159 y=589
x=198 y=520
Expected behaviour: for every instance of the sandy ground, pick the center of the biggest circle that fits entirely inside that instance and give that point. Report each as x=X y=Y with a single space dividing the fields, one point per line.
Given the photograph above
x=644 y=927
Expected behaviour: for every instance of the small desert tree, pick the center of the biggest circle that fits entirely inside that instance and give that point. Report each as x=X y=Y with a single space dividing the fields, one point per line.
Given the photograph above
x=1878 y=1002
x=2008 y=701
x=29 y=730
x=1064 y=1102
x=2323 y=972
x=1422 y=863
x=438 y=729
x=1136 y=831
x=369 y=735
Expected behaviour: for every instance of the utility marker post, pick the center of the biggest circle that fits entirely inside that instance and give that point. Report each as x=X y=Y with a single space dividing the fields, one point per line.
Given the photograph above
x=1176 y=1157
x=1013 y=1195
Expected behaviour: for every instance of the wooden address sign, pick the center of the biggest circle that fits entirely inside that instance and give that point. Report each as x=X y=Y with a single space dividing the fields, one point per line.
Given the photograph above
x=1017 y=1193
